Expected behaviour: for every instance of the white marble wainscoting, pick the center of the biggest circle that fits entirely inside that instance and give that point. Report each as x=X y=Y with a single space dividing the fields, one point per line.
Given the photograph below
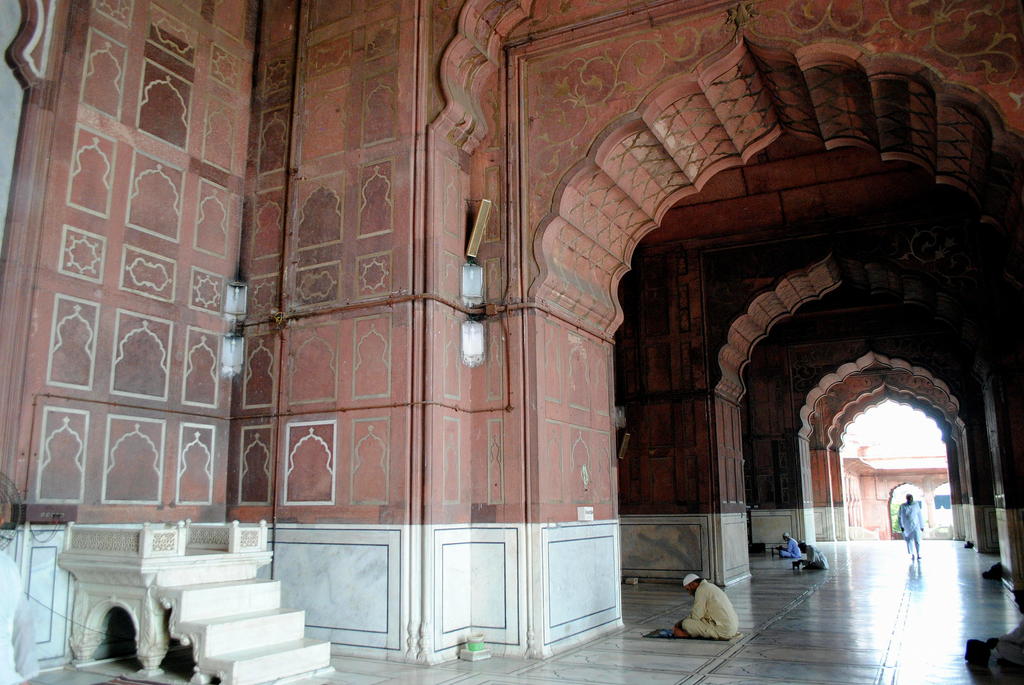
x=1011 y=546
x=768 y=525
x=987 y=527
x=730 y=561
x=963 y=523
x=577 y=595
x=479 y=587
x=348 y=579
x=666 y=547
x=35 y=549
x=830 y=523
x=810 y=533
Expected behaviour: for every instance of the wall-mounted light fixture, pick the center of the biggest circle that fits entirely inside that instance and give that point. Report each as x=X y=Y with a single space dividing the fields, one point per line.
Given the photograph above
x=472 y=283
x=479 y=226
x=474 y=342
x=474 y=347
x=235 y=300
x=232 y=351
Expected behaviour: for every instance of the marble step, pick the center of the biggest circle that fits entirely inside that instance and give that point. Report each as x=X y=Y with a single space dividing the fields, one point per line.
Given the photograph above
x=216 y=600
x=267 y=664
x=249 y=631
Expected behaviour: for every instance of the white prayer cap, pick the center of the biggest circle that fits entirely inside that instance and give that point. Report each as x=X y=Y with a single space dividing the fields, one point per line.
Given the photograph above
x=785 y=535
x=690 y=578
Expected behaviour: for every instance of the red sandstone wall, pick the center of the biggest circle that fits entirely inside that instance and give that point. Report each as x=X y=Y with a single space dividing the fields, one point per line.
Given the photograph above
x=575 y=441
x=662 y=381
x=354 y=405
x=322 y=433
x=139 y=232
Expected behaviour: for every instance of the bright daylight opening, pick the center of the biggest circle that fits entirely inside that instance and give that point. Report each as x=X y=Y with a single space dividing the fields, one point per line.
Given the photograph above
x=887 y=452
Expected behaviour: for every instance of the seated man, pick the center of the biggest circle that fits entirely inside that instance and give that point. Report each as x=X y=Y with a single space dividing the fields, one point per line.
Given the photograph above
x=712 y=615
x=1008 y=648
x=815 y=561
x=791 y=550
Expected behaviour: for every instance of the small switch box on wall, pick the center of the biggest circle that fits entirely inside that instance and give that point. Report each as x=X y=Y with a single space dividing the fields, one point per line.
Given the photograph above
x=584 y=513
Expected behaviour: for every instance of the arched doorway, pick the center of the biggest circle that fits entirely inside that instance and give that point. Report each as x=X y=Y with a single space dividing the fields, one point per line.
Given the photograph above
x=842 y=395
x=897 y=496
x=611 y=202
x=892 y=445
x=624 y=125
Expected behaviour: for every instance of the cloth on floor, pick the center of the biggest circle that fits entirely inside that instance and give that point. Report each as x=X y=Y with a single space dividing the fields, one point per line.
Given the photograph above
x=663 y=633
x=667 y=633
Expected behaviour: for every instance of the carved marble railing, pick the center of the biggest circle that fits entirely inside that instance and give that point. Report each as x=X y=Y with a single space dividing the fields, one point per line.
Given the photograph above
x=148 y=541
x=226 y=537
x=168 y=540
x=124 y=568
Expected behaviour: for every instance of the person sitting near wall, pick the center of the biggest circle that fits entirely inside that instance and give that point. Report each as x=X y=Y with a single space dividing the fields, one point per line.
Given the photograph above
x=712 y=616
x=791 y=550
x=1008 y=648
x=815 y=560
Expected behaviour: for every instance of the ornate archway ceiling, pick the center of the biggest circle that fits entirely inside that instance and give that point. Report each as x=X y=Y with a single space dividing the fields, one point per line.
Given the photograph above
x=626 y=108
x=845 y=393
x=810 y=284
x=688 y=130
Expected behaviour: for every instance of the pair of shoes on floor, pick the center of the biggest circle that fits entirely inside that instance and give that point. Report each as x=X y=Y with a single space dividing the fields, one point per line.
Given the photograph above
x=978 y=652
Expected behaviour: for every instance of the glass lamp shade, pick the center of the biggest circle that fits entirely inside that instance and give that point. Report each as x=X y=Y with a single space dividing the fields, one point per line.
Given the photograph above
x=472 y=284
x=235 y=299
x=232 y=351
x=473 y=348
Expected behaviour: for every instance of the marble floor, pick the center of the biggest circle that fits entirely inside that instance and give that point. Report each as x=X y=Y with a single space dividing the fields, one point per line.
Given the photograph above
x=874 y=618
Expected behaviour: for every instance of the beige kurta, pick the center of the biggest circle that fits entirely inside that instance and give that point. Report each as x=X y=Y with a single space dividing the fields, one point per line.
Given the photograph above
x=712 y=615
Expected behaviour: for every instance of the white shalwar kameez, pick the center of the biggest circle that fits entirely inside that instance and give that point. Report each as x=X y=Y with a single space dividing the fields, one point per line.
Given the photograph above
x=17 y=642
x=1011 y=645
x=912 y=523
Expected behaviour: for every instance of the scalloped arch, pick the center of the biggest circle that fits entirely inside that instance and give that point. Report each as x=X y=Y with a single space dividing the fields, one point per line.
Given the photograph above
x=947 y=403
x=921 y=401
x=469 y=60
x=697 y=124
x=806 y=285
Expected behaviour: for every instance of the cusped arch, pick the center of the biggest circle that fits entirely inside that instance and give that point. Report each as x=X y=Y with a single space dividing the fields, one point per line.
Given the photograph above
x=96 y=616
x=697 y=124
x=469 y=61
x=922 y=401
x=812 y=283
x=939 y=396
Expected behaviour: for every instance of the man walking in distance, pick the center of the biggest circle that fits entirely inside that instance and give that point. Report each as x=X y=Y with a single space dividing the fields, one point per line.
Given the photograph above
x=712 y=615
x=912 y=523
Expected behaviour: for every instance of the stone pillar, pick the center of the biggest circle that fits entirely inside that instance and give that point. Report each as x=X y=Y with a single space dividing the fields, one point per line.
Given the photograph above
x=829 y=515
x=977 y=484
x=729 y=561
x=1004 y=405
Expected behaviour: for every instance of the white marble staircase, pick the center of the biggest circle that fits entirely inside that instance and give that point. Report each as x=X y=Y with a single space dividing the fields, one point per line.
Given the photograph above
x=240 y=634
x=195 y=583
